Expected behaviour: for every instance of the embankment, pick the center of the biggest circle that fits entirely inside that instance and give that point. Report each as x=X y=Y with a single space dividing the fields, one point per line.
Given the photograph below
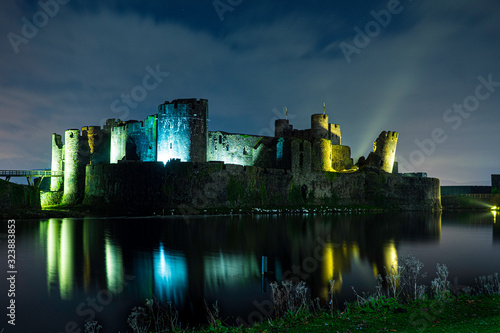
x=15 y=198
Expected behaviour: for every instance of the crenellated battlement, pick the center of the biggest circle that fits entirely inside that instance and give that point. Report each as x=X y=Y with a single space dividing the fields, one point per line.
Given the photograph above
x=196 y=108
x=389 y=135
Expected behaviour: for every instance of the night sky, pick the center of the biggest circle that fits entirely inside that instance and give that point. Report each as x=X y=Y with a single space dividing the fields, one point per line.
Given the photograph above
x=427 y=69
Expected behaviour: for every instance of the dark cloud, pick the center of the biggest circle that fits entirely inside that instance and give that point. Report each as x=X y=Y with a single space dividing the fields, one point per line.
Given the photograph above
x=259 y=59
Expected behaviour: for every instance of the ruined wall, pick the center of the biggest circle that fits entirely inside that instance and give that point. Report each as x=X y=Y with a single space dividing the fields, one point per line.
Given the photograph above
x=301 y=156
x=341 y=158
x=154 y=187
x=183 y=130
x=15 y=197
x=134 y=141
x=384 y=152
x=99 y=143
x=56 y=183
x=233 y=148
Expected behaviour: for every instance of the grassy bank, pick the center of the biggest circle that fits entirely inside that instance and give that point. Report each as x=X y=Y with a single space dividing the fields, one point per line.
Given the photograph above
x=460 y=314
x=399 y=304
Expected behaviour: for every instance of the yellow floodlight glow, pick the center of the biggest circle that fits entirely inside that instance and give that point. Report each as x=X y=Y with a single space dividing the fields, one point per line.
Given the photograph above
x=494 y=208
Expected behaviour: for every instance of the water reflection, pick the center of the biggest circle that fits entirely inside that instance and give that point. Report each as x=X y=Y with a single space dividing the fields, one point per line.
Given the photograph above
x=53 y=232
x=114 y=266
x=225 y=252
x=60 y=257
x=219 y=257
x=228 y=269
x=170 y=276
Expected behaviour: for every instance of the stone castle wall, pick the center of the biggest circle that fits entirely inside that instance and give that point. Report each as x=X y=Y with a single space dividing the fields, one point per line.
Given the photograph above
x=233 y=148
x=384 y=151
x=56 y=183
x=183 y=130
x=15 y=197
x=155 y=187
x=134 y=141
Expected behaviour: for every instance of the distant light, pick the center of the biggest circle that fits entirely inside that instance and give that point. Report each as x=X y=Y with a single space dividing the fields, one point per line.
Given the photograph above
x=494 y=208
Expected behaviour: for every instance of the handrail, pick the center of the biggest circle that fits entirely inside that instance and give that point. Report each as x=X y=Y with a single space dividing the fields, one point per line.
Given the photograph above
x=30 y=173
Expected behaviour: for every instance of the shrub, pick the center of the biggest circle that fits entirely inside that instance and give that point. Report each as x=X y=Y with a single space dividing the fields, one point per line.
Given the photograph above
x=440 y=286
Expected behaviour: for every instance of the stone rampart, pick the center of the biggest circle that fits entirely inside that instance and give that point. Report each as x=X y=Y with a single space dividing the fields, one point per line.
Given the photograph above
x=152 y=187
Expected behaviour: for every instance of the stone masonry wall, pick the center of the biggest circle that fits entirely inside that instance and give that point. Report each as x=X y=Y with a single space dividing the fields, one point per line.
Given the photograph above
x=154 y=188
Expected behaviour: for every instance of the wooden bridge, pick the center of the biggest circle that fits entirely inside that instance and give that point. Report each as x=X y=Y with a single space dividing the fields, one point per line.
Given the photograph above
x=30 y=174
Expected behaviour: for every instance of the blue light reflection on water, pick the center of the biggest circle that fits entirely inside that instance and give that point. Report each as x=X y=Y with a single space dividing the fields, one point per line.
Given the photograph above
x=170 y=276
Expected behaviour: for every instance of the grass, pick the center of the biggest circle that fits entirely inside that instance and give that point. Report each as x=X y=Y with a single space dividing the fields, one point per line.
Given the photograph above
x=399 y=304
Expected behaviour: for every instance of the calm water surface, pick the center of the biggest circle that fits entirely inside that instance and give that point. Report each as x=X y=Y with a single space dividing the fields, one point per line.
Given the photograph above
x=73 y=270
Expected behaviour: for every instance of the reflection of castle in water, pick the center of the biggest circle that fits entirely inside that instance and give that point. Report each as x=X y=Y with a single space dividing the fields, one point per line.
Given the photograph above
x=89 y=254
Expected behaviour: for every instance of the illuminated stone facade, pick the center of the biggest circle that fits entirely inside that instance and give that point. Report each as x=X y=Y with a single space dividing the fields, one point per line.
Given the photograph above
x=384 y=152
x=182 y=130
x=179 y=131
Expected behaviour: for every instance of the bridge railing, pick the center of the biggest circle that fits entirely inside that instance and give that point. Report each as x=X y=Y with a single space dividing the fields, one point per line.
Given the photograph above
x=30 y=173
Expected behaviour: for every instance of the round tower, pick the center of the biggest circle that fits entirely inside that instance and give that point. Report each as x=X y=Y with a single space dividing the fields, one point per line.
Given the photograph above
x=74 y=170
x=319 y=126
x=385 y=148
x=183 y=130
x=56 y=183
x=282 y=128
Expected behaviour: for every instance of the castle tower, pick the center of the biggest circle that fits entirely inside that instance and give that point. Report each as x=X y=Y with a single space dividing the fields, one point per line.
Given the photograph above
x=319 y=126
x=384 y=149
x=182 y=130
x=282 y=128
x=56 y=183
x=75 y=158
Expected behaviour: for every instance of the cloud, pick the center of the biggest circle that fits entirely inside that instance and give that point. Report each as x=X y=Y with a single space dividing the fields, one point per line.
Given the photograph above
x=428 y=58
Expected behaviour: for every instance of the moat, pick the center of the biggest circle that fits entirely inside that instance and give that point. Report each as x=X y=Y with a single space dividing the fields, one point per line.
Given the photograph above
x=73 y=270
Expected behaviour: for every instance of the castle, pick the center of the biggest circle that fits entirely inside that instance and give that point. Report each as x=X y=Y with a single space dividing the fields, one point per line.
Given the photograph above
x=179 y=131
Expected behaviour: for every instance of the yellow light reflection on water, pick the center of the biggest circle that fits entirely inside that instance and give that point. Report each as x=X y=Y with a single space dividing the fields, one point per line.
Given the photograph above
x=66 y=262
x=391 y=261
x=330 y=272
x=114 y=266
x=495 y=213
